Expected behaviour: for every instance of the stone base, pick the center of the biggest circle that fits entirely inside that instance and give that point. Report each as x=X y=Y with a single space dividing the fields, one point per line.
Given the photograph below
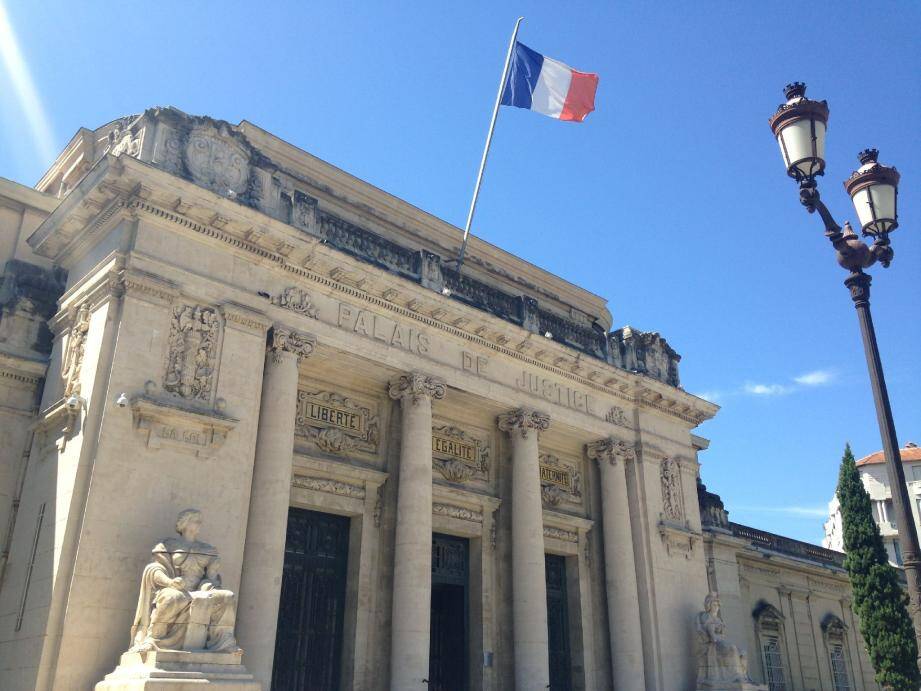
x=732 y=686
x=179 y=670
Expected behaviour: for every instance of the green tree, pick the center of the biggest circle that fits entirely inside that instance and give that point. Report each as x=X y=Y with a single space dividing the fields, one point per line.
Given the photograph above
x=879 y=600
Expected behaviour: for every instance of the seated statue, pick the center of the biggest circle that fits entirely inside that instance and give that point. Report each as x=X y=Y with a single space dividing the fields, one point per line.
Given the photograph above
x=718 y=662
x=182 y=605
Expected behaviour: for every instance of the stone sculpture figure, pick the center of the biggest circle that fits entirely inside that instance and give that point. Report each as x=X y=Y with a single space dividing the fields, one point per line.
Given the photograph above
x=182 y=605
x=720 y=665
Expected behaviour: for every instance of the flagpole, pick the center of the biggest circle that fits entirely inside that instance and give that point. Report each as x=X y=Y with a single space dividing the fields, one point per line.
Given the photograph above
x=492 y=127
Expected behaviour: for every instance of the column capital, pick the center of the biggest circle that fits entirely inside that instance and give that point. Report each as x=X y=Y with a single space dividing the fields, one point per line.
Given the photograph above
x=415 y=386
x=610 y=449
x=282 y=340
x=524 y=419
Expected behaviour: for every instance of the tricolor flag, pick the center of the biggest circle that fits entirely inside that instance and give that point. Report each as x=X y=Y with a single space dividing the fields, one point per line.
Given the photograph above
x=548 y=86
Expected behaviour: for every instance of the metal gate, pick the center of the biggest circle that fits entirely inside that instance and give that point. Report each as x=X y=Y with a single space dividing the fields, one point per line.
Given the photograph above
x=308 y=641
x=558 y=624
x=448 y=641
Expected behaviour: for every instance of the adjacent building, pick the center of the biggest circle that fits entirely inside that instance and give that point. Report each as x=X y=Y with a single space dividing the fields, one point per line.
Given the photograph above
x=416 y=477
x=875 y=477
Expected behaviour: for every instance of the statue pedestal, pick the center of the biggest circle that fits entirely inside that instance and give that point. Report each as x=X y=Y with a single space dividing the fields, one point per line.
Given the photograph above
x=730 y=686
x=179 y=670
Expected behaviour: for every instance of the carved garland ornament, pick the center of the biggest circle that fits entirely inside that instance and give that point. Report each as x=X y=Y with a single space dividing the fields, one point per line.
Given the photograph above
x=617 y=416
x=194 y=339
x=458 y=512
x=524 y=420
x=336 y=423
x=415 y=386
x=672 y=498
x=287 y=341
x=76 y=346
x=322 y=484
x=561 y=534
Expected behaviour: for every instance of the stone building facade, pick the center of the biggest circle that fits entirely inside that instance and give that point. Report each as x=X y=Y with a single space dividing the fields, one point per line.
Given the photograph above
x=416 y=477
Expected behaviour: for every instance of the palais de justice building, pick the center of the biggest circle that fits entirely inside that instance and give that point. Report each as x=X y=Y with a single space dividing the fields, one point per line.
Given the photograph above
x=406 y=476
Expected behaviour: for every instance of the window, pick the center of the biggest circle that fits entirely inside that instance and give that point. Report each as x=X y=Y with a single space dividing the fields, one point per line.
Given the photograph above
x=835 y=634
x=898 y=552
x=773 y=663
x=769 y=633
x=839 y=668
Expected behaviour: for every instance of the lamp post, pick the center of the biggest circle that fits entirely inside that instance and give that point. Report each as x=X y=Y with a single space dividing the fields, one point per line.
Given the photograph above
x=799 y=126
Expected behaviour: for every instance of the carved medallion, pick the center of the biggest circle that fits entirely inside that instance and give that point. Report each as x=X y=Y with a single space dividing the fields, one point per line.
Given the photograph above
x=296 y=300
x=559 y=481
x=216 y=161
x=458 y=456
x=194 y=340
x=335 y=423
x=617 y=416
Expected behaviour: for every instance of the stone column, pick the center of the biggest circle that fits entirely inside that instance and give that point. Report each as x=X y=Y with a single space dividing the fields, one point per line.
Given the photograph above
x=266 y=528
x=529 y=586
x=412 y=559
x=619 y=565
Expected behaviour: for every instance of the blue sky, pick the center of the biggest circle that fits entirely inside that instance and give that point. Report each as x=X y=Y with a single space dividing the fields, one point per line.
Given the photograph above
x=670 y=200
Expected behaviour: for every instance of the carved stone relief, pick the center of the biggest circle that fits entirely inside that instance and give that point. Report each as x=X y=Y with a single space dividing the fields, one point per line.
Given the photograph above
x=194 y=343
x=324 y=484
x=560 y=481
x=459 y=512
x=296 y=300
x=617 y=416
x=672 y=496
x=335 y=423
x=561 y=534
x=216 y=161
x=76 y=346
x=458 y=456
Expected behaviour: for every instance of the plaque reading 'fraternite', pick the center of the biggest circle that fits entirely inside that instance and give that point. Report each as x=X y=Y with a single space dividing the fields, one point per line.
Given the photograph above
x=561 y=477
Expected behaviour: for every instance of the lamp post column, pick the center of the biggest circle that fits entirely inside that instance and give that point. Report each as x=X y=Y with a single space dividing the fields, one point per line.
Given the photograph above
x=619 y=566
x=412 y=567
x=266 y=526
x=529 y=585
x=859 y=285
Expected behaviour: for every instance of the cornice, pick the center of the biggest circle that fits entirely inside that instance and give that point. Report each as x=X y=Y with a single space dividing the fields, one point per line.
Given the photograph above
x=133 y=197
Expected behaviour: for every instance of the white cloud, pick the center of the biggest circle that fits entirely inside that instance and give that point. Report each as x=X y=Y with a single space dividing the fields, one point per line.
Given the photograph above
x=767 y=389
x=712 y=396
x=818 y=377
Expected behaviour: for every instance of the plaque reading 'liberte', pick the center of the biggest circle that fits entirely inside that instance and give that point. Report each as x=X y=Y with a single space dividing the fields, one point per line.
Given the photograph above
x=343 y=418
x=557 y=476
x=458 y=449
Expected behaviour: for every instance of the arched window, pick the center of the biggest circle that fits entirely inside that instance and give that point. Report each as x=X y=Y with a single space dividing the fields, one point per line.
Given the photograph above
x=835 y=634
x=769 y=634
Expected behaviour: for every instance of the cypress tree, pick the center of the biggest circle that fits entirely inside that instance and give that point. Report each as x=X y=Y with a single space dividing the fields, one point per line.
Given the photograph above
x=880 y=602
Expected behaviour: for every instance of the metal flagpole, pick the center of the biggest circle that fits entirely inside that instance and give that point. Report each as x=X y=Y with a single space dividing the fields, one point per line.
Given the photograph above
x=492 y=127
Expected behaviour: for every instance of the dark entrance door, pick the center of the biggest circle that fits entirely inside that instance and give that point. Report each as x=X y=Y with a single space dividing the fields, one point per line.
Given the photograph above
x=448 y=647
x=308 y=642
x=558 y=623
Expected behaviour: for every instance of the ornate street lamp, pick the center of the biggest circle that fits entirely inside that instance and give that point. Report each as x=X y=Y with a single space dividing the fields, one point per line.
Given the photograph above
x=799 y=126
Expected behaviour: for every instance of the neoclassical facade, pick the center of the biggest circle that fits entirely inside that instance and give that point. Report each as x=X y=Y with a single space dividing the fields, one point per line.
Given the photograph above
x=414 y=477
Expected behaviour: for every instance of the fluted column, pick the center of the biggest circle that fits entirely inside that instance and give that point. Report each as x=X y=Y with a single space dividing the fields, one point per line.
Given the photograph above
x=266 y=527
x=619 y=566
x=412 y=568
x=529 y=586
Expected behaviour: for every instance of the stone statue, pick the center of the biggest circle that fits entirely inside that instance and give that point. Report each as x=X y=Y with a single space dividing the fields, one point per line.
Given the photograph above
x=720 y=665
x=182 y=605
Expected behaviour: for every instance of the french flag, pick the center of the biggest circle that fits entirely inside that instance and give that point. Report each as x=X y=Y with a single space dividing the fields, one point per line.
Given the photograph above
x=548 y=86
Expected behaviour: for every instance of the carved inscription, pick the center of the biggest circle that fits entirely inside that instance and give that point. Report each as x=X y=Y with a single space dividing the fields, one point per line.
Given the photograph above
x=457 y=455
x=382 y=329
x=335 y=423
x=560 y=481
x=555 y=393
